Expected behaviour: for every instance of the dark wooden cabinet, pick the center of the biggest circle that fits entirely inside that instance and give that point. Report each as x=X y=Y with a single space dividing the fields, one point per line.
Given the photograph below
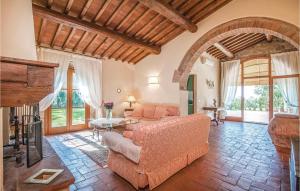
x=25 y=81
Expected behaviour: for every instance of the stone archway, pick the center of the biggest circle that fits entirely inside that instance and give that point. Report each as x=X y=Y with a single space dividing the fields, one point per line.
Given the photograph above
x=275 y=27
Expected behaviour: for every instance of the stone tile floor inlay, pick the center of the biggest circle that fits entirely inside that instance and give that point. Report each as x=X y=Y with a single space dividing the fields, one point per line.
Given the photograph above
x=241 y=157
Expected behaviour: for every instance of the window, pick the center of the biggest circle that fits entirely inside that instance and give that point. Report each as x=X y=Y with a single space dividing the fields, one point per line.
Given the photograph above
x=68 y=111
x=78 y=106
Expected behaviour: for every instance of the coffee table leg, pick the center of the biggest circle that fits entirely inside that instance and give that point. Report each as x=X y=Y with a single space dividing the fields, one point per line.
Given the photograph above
x=98 y=134
x=94 y=132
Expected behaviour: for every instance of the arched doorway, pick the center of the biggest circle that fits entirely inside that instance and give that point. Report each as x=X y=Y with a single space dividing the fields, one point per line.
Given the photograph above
x=268 y=26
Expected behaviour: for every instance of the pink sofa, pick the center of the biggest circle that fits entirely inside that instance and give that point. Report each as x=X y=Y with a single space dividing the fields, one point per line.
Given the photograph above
x=153 y=112
x=165 y=148
x=282 y=128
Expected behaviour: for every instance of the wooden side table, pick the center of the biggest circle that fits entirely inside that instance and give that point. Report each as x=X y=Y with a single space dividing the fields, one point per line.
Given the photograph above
x=215 y=110
x=129 y=109
x=128 y=112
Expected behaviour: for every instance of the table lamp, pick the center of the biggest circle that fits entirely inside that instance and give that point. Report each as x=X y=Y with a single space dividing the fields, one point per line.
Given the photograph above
x=131 y=99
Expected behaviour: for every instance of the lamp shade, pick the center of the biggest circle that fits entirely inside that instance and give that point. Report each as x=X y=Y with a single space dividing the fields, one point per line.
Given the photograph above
x=131 y=99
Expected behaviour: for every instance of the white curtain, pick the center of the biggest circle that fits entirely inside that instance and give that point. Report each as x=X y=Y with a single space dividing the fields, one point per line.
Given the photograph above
x=60 y=73
x=229 y=81
x=88 y=75
x=88 y=72
x=287 y=64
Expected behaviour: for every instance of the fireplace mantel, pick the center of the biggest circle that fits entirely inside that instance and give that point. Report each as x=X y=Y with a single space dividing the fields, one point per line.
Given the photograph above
x=24 y=81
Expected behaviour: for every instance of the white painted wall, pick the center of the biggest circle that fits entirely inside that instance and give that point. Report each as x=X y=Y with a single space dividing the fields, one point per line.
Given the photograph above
x=205 y=95
x=17 y=29
x=117 y=74
x=171 y=55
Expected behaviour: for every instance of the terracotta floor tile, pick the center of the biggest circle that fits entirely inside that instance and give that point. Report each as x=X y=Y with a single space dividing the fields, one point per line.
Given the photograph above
x=241 y=157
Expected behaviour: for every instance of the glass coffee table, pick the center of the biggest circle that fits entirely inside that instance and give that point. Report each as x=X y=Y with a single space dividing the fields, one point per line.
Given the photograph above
x=113 y=124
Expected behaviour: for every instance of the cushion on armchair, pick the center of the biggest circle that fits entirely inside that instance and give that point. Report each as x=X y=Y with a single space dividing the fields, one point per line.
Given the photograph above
x=120 y=144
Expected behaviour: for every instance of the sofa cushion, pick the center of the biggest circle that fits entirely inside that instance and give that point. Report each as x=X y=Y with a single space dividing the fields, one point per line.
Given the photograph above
x=173 y=111
x=149 y=111
x=160 y=112
x=120 y=144
x=137 y=112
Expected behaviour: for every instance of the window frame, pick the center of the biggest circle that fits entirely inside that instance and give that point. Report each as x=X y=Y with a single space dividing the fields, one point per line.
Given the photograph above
x=49 y=130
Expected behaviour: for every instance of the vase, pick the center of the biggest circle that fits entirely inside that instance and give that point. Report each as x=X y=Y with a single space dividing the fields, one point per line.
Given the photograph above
x=108 y=114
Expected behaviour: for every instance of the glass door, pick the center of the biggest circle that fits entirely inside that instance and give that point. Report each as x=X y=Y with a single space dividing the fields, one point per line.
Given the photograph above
x=58 y=122
x=78 y=107
x=68 y=111
x=256 y=104
x=256 y=80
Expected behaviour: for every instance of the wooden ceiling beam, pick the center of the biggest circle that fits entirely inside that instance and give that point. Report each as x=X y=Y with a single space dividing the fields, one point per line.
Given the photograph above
x=163 y=33
x=155 y=30
x=113 y=54
x=234 y=38
x=91 y=27
x=88 y=44
x=121 y=52
x=108 y=50
x=101 y=10
x=127 y=17
x=210 y=9
x=198 y=8
x=170 y=13
x=238 y=41
x=188 y=5
x=115 y=12
x=130 y=55
x=56 y=34
x=143 y=16
x=248 y=44
x=49 y=3
x=139 y=58
x=73 y=30
x=95 y=52
x=82 y=38
x=172 y=34
x=42 y=29
x=126 y=53
x=85 y=8
x=68 y=7
x=139 y=54
x=153 y=20
x=223 y=49
x=244 y=41
x=111 y=49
